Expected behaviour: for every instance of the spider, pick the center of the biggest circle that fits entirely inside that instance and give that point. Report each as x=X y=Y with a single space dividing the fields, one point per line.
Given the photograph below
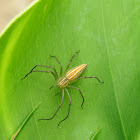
x=64 y=81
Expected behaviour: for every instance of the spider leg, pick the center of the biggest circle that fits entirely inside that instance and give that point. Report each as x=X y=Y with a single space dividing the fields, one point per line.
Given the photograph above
x=41 y=71
x=59 y=64
x=69 y=107
x=52 y=86
x=57 y=108
x=80 y=93
x=89 y=77
x=55 y=76
x=57 y=93
x=71 y=60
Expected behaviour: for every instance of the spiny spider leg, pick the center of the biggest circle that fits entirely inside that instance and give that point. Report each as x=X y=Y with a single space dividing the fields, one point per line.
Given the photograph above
x=52 y=86
x=57 y=93
x=41 y=71
x=71 y=60
x=49 y=67
x=80 y=93
x=69 y=107
x=56 y=76
x=88 y=77
x=57 y=108
x=59 y=64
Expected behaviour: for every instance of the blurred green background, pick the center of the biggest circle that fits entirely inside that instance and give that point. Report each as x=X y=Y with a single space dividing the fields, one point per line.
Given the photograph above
x=107 y=35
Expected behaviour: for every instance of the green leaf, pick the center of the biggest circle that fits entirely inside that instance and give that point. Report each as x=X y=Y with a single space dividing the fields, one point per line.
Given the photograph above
x=107 y=35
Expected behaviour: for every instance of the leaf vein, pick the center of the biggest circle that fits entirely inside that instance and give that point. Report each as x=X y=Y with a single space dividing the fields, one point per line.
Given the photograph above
x=106 y=46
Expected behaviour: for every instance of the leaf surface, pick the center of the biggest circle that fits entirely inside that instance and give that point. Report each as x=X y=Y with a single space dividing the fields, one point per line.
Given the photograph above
x=107 y=35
